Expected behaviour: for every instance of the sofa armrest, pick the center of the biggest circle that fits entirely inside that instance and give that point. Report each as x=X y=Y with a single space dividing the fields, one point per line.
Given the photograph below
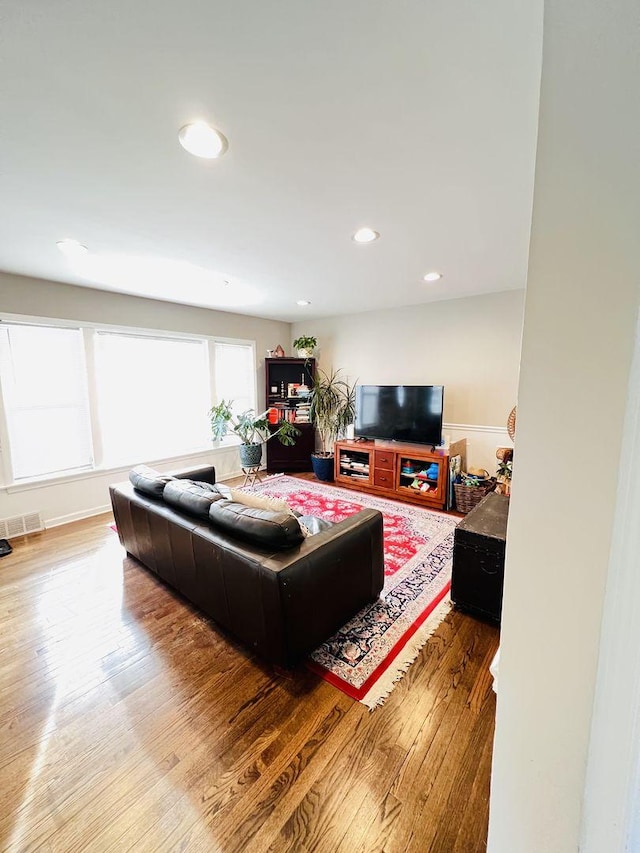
x=326 y=580
x=205 y=473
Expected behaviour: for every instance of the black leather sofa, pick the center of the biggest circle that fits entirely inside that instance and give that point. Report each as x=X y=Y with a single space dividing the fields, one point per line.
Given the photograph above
x=251 y=570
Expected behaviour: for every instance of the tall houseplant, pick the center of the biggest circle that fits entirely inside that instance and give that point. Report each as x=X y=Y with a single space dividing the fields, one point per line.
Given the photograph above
x=332 y=411
x=252 y=430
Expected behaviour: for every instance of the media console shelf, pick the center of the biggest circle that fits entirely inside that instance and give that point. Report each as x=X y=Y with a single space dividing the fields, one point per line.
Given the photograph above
x=409 y=472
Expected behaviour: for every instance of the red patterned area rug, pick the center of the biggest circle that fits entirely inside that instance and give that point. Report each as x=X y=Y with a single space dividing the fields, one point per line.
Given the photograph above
x=371 y=653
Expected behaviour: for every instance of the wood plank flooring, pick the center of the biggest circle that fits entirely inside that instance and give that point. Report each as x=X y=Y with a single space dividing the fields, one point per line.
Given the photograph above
x=129 y=722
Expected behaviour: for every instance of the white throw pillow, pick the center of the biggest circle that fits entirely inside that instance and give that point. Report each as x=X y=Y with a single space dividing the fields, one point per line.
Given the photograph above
x=260 y=501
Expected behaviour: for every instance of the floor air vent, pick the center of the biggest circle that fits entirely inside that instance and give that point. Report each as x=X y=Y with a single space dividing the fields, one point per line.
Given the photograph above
x=20 y=524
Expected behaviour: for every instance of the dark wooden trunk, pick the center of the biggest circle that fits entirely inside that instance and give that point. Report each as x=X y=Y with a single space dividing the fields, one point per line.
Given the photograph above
x=478 y=558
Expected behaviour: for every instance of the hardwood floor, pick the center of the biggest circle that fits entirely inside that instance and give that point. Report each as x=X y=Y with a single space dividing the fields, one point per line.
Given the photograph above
x=129 y=722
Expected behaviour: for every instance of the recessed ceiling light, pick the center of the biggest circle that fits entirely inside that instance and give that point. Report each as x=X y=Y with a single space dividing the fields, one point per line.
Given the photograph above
x=71 y=248
x=201 y=140
x=303 y=302
x=365 y=235
x=433 y=276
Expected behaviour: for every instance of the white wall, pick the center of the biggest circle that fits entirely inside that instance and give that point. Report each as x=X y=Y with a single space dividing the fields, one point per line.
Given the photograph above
x=580 y=312
x=471 y=346
x=611 y=810
x=86 y=494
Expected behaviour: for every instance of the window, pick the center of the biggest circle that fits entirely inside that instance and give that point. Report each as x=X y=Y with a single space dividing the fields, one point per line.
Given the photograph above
x=44 y=387
x=76 y=399
x=235 y=375
x=153 y=396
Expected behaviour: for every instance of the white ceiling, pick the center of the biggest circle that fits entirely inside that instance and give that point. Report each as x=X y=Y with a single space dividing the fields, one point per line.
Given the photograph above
x=415 y=117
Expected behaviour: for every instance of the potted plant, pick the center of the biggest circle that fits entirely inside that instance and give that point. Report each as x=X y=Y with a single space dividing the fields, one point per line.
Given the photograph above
x=505 y=470
x=252 y=430
x=305 y=345
x=332 y=410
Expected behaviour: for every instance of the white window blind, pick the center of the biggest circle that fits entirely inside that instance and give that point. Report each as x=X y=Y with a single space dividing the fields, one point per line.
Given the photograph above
x=235 y=375
x=44 y=388
x=153 y=397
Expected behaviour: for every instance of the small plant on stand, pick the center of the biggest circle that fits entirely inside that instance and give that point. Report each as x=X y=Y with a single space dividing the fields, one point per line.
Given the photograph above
x=252 y=430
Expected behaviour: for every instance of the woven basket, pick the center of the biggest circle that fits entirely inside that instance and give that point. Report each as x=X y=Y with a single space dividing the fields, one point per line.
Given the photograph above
x=469 y=496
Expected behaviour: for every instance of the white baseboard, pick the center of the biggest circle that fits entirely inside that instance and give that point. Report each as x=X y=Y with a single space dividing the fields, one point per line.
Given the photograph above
x=75 y=516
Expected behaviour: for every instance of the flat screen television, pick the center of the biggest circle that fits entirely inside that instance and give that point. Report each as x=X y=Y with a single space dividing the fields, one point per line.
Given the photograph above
x=411 y=413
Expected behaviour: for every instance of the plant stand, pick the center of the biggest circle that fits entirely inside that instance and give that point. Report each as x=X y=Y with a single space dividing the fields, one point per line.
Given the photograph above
x=251 y=475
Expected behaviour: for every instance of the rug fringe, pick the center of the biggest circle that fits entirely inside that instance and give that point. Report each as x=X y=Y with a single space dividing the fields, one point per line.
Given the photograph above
x=385 y=684
x=271 y=477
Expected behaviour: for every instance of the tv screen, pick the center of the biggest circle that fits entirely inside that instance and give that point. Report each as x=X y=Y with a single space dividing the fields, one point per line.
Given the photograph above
x=410 y=413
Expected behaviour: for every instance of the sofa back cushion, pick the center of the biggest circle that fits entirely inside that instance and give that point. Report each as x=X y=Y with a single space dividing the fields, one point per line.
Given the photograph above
x=269 y=529
x=192 y=497
x=148 y=481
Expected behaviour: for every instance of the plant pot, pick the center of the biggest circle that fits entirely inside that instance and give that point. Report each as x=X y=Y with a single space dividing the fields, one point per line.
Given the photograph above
x=250 y=455
x=305 y=353
x=323 y=467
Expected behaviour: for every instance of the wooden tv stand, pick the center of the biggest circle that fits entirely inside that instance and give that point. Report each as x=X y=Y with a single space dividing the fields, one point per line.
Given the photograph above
x=407 y=472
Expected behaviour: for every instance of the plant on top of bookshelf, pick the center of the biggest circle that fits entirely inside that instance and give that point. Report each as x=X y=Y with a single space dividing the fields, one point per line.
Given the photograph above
x=305 y=345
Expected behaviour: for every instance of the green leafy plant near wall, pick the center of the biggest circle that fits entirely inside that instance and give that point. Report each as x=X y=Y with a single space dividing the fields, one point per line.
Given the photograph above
x=252 y=430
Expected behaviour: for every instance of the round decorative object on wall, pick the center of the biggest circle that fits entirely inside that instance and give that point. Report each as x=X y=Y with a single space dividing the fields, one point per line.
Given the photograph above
x=511 y=424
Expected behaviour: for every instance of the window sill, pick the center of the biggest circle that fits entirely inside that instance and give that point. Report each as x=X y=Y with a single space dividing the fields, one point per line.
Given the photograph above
x=197 y=456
